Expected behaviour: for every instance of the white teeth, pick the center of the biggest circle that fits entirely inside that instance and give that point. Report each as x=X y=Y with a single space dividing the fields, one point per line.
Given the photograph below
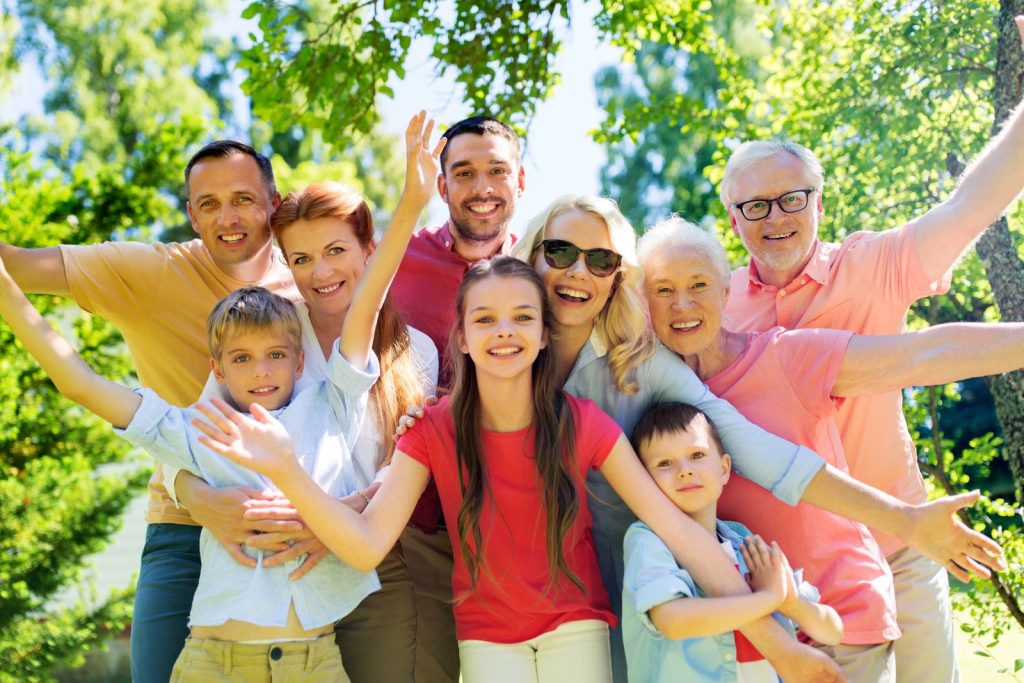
x=505 y=351
x=328 y=289
x=263 y=390
x=235 y=237
x=572 y=293
x=685 y=326
x=779 y=236
x=483 y=208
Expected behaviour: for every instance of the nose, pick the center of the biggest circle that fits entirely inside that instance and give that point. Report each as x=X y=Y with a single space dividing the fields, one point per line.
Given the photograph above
x=261 y=368
x=482 y=184
x=682 y=301
x=321 y=269
x=579 y=266
x=504 y=328
x=228 y=214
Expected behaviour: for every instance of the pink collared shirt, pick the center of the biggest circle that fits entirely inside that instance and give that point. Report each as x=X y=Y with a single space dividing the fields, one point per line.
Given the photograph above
x=865 y=284
x=425 y=286
x=783 y=382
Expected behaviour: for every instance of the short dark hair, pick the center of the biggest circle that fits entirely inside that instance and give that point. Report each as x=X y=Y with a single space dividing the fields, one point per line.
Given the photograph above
x=668 y=418
x=221 y=149
x=479 y=125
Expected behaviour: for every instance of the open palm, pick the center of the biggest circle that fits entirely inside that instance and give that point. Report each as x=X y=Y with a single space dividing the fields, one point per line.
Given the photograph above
x=258 y=442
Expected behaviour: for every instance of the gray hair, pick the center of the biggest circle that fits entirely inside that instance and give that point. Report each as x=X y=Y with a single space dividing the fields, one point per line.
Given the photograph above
x=751 y=152
x=677 y=233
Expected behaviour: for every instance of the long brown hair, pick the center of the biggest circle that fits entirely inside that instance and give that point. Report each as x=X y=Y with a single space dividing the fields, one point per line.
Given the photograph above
x=554 y=439
x=401 y=381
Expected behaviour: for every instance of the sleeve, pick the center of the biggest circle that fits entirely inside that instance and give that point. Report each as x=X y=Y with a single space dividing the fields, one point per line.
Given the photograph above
x=809 y=360
x=116 y=280
x=652 y=575
x=162 y=430
x=212 y=388
x=780 y=466
x=416 y=442
x=891 y=261
x=596 y=432
x=426 y=359
x=348 y=391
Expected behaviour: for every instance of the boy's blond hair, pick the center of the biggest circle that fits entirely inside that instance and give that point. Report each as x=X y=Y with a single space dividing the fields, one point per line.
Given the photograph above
x=251 y=308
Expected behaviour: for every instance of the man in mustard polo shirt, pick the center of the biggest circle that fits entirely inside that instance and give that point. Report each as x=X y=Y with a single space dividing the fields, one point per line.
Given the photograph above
x=159 y=296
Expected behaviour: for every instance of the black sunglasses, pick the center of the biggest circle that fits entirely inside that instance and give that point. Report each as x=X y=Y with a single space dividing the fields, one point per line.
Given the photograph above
x=561 y=254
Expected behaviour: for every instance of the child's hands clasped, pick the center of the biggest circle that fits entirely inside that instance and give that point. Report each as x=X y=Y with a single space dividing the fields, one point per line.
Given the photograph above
x=259 y=442
x=769 y=570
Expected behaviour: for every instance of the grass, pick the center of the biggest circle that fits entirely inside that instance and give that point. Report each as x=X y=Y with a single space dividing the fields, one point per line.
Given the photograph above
x=975 y=668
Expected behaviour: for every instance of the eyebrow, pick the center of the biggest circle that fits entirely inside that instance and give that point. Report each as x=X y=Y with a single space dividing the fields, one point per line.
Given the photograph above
x=340 y=240
x=465 y=162
x=282 y=347
x=234 y=193
x=529 y=307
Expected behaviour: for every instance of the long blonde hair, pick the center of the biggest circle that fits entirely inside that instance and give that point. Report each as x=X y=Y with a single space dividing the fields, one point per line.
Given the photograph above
x=622 y=326
x=401 y=381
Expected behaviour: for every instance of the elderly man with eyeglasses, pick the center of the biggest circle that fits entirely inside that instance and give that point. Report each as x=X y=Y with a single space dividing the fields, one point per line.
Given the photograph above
x=866 y=284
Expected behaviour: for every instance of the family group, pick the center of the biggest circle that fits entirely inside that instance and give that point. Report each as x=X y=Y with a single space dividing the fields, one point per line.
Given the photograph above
x=644 y=465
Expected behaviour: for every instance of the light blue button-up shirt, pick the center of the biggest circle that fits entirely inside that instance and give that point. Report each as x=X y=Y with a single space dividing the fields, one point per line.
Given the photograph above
x=776 y=464
x=653 y=578
x=324 y=421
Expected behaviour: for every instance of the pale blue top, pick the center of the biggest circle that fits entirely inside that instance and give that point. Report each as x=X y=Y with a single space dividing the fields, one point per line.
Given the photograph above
x=653 y=578
x=776 y=464
x=323 y=421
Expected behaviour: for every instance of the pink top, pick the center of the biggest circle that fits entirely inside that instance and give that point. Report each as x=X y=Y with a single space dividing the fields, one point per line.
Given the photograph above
x=866 y=285
x=510 y=603
x=782 y=382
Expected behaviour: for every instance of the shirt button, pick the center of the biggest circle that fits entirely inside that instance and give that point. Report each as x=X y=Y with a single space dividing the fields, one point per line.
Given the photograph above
x=803 y=281
x=782 y=292
x=728 y=657
x=275 y=653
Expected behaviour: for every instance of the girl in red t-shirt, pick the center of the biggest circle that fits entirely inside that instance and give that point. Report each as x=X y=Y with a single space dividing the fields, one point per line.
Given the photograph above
x=509 y=451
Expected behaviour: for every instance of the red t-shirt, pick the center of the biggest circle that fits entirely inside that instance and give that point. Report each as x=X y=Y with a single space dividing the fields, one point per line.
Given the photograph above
x=510 y=603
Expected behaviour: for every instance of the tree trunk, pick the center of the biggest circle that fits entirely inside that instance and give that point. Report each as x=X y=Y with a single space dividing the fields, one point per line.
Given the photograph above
x=998 y=253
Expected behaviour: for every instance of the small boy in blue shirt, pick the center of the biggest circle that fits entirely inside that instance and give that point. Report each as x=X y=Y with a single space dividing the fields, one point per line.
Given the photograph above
x=671 y=630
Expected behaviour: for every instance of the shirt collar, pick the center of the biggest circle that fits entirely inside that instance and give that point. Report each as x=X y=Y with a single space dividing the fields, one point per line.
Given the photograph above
x=817 y=269
x=447 y=240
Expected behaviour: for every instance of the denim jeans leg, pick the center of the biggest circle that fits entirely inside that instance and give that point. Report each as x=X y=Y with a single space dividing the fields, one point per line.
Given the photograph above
x=163 y=598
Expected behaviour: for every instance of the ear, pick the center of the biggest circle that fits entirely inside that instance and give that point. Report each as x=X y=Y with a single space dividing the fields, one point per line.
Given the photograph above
x=275 y=202
x=442 y=187
x=544 y=339
x=462 y=343
x=192 y=218
x=368 y=250
x=300 y=366
x=732 y=222
x=726 y=467
x=819 y=205
x=215 y=368
x=521 y=180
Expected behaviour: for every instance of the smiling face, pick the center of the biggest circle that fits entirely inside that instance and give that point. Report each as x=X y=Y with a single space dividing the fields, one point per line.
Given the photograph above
x=577 y=296
x=686 y=295
x=326 y=260
x=689 y=468
x=480 y=183
x=259 y=365
x=502 y=326
x=230 y=208
x=781 y=243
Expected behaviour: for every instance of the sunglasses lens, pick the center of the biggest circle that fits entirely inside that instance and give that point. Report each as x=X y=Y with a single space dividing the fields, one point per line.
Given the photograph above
x=602 y=262
x=560 y=254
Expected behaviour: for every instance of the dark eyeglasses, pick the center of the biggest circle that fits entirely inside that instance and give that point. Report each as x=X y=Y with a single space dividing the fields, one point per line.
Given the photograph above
x=561 y=254
x=791 y=202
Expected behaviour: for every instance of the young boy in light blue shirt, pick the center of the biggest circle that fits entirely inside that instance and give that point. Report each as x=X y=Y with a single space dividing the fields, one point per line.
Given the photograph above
x=672 y=632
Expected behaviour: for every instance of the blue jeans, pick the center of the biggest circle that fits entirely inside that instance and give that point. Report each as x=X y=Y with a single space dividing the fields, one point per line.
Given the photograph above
x=163 y=599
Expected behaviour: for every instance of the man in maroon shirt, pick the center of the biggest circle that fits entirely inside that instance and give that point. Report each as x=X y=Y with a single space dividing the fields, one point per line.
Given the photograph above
x=481 y=179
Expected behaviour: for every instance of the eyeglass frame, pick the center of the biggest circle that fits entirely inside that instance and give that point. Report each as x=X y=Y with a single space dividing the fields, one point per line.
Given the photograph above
x=807 y=200
x=586 y=257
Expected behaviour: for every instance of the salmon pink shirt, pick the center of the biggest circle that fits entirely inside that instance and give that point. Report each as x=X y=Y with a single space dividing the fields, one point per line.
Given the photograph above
x=783 y=382
x=512 y=602
x=865 y=284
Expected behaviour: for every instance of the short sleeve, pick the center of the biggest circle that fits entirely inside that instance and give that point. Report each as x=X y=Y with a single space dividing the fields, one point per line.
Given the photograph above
x=652 y=575
x=596 y=432
x=115 y=280
x=810 y=360
x=890 y=262
x=416 y=441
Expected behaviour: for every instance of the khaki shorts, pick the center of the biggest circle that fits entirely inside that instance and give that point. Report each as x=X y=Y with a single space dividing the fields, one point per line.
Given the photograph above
x=218 y=661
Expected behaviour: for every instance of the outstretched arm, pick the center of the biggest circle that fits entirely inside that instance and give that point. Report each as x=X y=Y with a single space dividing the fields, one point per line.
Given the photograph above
x=261 y=444
x=72 y=376
x=933 y=529
x=937 y=355
x=986 y=188
x=420 y=172
x=37 y=271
